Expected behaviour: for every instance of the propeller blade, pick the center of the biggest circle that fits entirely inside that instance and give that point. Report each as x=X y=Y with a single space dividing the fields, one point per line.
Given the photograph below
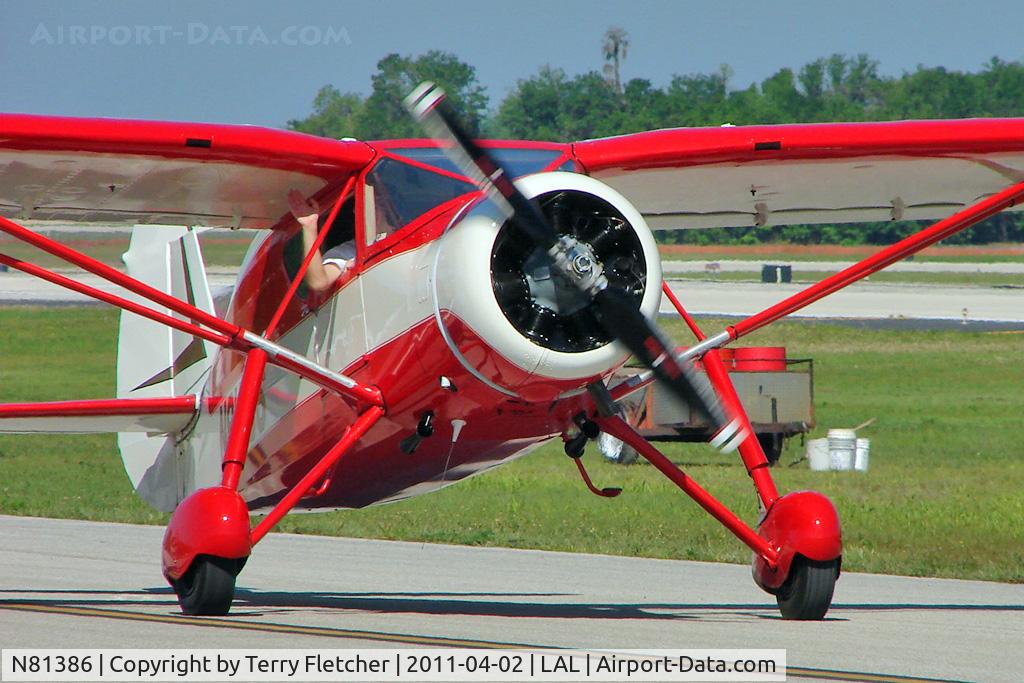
x=428 y=106
x=619 y=316
x=652 y=348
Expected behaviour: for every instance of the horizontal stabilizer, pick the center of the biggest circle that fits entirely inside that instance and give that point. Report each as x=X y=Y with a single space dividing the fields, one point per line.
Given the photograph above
x=152 y=416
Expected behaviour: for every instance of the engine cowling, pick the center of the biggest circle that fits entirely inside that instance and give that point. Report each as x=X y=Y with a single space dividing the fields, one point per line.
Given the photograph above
x=514 y=322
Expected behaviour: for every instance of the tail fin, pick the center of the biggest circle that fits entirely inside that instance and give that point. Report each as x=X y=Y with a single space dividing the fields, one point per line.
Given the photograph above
x=155 y=361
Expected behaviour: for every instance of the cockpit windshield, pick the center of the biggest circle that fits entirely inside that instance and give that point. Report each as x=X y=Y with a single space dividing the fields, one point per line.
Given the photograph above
x=517 y=161
x=397 y=192
x=401 y=192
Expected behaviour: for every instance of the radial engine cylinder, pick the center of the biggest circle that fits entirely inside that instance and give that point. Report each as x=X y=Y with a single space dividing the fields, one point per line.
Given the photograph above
x=511 y=318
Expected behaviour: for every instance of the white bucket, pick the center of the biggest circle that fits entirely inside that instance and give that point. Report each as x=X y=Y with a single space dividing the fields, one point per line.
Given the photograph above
x=817 y=454
x=860 y=458
x=842 y=448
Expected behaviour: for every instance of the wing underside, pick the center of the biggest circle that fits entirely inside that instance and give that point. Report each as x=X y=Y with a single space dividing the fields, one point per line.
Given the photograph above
x=821 y=173
x=145 y=172
x=97 y=188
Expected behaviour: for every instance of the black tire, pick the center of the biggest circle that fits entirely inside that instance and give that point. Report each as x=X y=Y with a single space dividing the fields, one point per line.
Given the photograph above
x=807 y=593
x=208 y=587
x=771 y=444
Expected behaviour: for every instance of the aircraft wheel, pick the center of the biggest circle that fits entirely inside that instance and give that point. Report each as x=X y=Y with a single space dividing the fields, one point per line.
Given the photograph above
x=208 y=586
x=807 y=593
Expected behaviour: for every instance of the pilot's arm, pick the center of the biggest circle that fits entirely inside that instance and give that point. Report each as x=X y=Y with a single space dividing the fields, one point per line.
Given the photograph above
x=322 y=273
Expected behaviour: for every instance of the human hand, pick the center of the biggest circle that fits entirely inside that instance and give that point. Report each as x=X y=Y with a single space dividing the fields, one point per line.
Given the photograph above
x=306 y=211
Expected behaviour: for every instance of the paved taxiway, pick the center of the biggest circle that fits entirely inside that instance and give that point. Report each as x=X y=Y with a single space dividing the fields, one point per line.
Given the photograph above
x=19 y=288
x=803 y=267
x=86 y=584
x=701 y=297
x=861 y=300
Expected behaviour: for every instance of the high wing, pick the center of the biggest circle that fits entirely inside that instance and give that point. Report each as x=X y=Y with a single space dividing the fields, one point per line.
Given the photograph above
x=812 y=173
x=121 y=171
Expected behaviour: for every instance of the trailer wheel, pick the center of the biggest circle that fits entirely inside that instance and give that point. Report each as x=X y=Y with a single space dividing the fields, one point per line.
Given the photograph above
x=771 y=444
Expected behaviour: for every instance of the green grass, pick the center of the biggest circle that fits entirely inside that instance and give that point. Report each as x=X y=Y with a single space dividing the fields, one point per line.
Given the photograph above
x=56 y=354
x=944 y=495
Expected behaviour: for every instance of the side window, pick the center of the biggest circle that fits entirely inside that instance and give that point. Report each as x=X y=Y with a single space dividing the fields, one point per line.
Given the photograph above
x=339 y=233
x=343 y=229
x=396 y=194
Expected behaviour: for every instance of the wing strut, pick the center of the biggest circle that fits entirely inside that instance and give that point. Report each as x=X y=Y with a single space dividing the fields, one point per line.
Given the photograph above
x=351 y=435
x=220 y=331
x=169 y=413
x=959 y=221
x=618 y=428
x=750 y=450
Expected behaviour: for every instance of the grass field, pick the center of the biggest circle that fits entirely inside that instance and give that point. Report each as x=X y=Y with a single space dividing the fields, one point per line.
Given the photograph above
x=944 y=495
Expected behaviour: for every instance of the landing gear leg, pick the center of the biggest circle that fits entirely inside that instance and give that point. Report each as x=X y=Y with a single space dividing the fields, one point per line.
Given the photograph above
x=797 y=546
x=209 y=537
x=798 y=543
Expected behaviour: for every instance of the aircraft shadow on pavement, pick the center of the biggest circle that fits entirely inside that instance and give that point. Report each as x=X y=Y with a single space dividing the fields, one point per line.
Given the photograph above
x=254 y=603
x=85 y=597
x=462 y=604
x=249 y=602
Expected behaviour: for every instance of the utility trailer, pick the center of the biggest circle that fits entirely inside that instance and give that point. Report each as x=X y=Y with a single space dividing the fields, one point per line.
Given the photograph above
x=776 y=391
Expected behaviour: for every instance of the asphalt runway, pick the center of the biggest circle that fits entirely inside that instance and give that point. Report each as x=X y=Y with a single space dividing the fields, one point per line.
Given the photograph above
x=724 y=266
x=859 y=301
x=72 y=584
x=19 y=288
x=877 y=305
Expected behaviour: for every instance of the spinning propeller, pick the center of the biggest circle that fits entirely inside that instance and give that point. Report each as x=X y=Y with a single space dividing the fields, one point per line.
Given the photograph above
x=576 y=262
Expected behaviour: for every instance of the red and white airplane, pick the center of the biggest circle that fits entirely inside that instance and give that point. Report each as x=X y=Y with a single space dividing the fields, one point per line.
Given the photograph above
x=480 y=319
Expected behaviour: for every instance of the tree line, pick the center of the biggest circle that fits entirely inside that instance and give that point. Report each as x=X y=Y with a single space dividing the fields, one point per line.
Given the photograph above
x=552 y=105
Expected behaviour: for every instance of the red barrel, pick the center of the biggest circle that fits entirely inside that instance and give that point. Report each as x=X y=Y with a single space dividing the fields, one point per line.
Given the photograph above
x=760 y=359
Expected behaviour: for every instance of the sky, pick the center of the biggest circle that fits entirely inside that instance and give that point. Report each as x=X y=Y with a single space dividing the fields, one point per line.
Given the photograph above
x=262 y=62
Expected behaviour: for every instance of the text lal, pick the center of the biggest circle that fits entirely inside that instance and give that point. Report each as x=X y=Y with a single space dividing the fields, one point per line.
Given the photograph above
x=562 y=664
